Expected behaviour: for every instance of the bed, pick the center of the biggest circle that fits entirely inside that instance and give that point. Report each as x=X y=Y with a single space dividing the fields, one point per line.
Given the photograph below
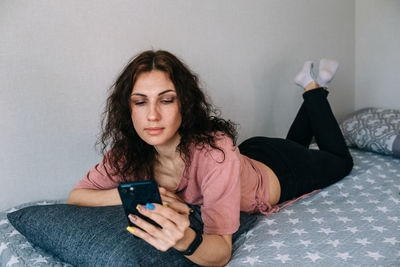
x=354 y=222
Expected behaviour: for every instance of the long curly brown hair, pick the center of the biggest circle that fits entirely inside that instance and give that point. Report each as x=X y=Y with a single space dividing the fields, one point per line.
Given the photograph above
x=131 y=157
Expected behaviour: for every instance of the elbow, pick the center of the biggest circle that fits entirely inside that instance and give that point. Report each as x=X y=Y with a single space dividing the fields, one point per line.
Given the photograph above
x=226 y=260
x=223 y=261
x=71 y=200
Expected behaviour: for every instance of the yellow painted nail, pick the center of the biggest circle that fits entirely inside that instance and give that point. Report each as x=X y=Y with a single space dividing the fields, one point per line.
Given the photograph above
x=165 y=205
x=130 y=229
x=138 y=207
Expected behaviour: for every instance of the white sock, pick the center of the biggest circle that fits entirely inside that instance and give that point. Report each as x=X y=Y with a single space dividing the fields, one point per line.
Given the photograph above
x=305 y=76
x=327 y=69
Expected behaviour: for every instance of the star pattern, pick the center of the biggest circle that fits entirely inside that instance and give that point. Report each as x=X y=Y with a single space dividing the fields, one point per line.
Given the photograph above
x=335 y=210
x=306 y=243
x=312 y=211
x=318 y=220
x=352 y=229
x=252 y=260
x=269 y=222
x=375 y=255
x=313 y=256
x=282 y=258
x=355 y=220
x=294 y=221
x=391 y=240
x=288 y=211
x=277 y=244
x=273 y=232
x=299 y=231
x=344 y=219
x=3 y=246
x=328 y=202
x=334 y=243
x=249 y=233
x=326 y=231
x=40 y=259
x=368 y=219
x=395 y=219
x=380 y=229
x=12 y=261
x=13 y=233
x=362 y=241
x=344 y=256
x=249 y=247
x=382 y=209
x=395 y=200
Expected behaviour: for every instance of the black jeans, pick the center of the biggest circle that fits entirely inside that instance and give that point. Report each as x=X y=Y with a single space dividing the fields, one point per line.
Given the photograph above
x=301 y=170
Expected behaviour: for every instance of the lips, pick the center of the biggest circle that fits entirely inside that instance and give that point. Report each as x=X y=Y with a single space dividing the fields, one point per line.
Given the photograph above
x=154 y=130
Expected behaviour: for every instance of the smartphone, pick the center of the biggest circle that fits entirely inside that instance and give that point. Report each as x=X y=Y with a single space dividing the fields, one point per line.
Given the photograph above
x=135 y=193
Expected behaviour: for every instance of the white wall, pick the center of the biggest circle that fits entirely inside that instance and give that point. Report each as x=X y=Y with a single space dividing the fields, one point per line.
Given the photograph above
x=57 y=59
x=377 y=53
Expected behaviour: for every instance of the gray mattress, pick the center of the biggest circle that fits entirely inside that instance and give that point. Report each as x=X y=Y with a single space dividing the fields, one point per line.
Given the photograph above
x=352 y=223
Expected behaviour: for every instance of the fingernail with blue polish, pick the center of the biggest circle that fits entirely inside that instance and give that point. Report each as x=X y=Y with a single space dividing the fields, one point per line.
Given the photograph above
x=150 y=206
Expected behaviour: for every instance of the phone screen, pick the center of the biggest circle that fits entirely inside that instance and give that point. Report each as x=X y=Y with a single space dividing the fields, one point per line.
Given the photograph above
x=136 y=193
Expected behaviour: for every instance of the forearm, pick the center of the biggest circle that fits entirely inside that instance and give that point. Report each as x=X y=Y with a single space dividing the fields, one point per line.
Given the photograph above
x=91 y=197
x=215 y=250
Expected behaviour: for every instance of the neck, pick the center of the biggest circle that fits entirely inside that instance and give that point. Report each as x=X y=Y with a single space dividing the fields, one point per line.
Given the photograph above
x=168 y=151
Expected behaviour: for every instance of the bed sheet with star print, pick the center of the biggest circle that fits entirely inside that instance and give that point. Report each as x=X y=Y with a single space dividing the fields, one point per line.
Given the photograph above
x=355 y=222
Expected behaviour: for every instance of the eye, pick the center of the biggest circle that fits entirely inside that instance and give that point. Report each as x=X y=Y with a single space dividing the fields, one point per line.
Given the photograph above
x=138 y=102
x=168 y=100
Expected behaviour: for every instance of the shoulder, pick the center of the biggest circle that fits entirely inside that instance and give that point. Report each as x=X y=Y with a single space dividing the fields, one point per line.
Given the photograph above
x=101 y=176
x=222 y=149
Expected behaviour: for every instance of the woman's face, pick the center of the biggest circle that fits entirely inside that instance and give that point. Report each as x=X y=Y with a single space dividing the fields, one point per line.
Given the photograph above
x=155 y=109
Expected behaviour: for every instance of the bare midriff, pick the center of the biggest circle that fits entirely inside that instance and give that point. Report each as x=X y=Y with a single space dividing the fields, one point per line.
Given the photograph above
x=274 y=186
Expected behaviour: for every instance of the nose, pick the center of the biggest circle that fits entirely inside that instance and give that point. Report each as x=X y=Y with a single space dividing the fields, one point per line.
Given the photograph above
x=153 y=113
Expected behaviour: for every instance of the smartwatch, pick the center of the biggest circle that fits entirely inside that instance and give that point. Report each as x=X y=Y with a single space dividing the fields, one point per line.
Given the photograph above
x=194 y=245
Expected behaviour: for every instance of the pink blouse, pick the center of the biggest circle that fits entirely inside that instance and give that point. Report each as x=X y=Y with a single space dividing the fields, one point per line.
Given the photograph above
x=222 y=185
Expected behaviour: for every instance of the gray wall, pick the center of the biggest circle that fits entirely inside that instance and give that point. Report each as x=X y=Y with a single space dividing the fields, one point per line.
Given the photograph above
x=377 y=53
x=58 y=58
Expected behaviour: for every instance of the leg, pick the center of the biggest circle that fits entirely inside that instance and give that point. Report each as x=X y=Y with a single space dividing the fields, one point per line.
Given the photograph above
x=310 y=121
x=299 y=170
x=316 y=169
x=300 y=131
x=323 y=123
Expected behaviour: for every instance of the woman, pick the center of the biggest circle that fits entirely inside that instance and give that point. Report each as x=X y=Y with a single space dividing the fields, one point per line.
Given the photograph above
x=158 y=125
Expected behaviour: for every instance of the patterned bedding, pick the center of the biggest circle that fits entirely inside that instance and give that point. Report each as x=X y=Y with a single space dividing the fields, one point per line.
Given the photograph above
x=352 y=223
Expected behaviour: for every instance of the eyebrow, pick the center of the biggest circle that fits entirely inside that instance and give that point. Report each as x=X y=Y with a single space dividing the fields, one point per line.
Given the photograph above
x=163 y=92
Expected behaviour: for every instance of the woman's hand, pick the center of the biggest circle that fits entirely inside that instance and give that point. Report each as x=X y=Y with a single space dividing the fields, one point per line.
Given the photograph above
x=174 y=224
x=171 y=200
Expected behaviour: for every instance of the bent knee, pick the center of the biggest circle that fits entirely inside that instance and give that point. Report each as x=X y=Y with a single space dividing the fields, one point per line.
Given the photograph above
x=348 y=166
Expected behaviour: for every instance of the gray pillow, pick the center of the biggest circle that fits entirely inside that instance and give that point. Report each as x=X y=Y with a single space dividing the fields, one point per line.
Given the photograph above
x=89 y=236
x=373 y=129
x=97 y=236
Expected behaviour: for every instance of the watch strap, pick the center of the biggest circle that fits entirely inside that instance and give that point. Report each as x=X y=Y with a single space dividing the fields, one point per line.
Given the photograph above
x=195 y=244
